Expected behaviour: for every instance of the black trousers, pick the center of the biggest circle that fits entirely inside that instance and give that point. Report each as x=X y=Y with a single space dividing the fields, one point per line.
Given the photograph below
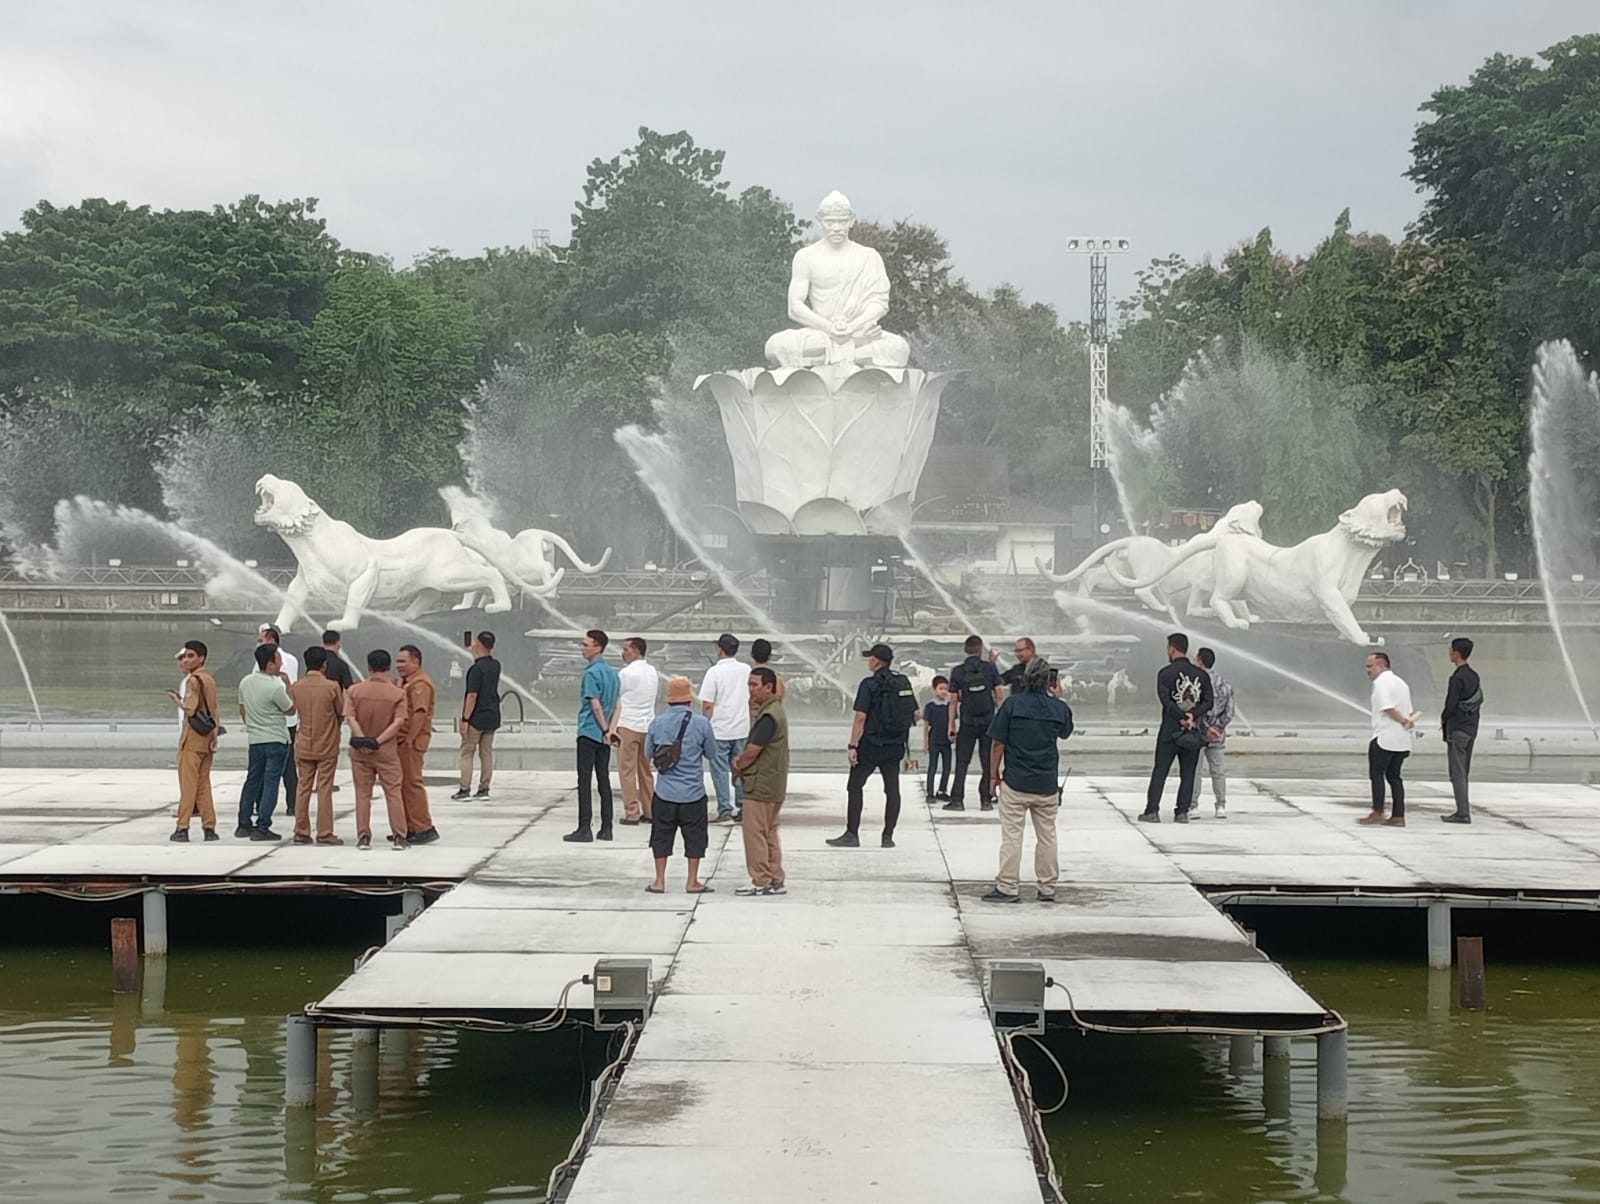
x=594 y=760
x=966 y=738
x=1458 y=746
x=938 y=760
x=863 y=769
x=1383 y=766
x=291 y=775
x=1188 y=761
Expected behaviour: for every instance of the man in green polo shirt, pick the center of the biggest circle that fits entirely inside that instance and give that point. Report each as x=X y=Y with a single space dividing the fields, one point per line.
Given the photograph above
x=265 y=707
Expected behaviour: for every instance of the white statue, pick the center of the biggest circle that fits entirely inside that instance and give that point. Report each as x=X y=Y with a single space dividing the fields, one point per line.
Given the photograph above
x=838 y=293
x=339 y=564
x=527 y=559
x=1319 y=576
x=1178 y=571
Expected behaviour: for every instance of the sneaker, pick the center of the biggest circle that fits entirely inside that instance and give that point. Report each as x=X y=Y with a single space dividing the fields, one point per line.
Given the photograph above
x=986 y=806
x=1220 y=811
x=631 y=823
x=463 y=793
x=1455 y=819
x=364 y=841
x=264 y=834
x=954 y=807
x=211 y=834
x=738 y=816
x=579 y=836
x=481 y=792
x=299 y=839
x=888 y=842
x=603 y=834
x=426 y=836
x=1371 y=817
x=244 y=831
x=398 y=844
x=777 y=888
x=846 y=840
x=941 y=797
x=1395 y=821
x=1180 y=817
x=330 y=840
x=720 y=818
x=1149 y=817
x=751 y=890
x=998 y=896
x=181 y=836
x=1047 y=898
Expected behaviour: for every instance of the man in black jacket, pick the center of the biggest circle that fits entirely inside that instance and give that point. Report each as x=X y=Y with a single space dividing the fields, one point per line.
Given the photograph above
x=1463 y=699
x=1184 y=691
x=974 y=695
x=872 y=750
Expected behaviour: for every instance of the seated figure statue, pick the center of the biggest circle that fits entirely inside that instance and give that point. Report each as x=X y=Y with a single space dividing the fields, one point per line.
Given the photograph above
x=838 y=293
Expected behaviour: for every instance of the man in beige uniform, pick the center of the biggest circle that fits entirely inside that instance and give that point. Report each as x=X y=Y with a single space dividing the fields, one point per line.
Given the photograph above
x=415 y=737
x=376 y=710
x=194 y=750
x=319 y=702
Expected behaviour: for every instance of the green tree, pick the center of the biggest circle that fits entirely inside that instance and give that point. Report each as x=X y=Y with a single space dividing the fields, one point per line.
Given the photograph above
x=924 y=290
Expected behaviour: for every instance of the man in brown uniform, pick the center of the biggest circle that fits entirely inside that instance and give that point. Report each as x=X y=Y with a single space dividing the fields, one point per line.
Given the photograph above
x=376 y=711
x=763 y=767
x=194 y=750
x=415 y=737
x=320 y=704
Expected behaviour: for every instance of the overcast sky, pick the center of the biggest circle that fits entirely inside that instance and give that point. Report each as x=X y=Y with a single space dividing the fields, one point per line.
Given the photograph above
x=1007 y=126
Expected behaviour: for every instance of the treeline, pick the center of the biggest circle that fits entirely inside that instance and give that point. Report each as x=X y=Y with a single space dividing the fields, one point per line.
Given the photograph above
x=166 y=358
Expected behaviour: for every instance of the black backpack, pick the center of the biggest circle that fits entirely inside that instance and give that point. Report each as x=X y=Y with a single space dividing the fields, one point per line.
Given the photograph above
x=977 y=694
x=894 y=707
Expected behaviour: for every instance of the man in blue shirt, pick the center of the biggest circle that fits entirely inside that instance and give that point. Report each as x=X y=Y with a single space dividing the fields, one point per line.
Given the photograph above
x=601 y=688
x=686 y=740
x=1024 y=773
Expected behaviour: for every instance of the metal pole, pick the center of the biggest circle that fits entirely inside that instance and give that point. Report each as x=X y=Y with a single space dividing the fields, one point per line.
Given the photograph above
x=1333 y=1087
x=155 y=922
x=1439 y=936
x=299 y=1062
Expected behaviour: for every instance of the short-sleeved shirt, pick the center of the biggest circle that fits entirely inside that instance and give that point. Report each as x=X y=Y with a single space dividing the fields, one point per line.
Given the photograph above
x=338 y=670
x=1029 y=723
x=1388 y=690
x=936 y=715
x=266 y=708
x=875 y=744
x=640 y=685
x=319 y=703
x=973 y=683
x=375 y=704
x=685 y=782
x=483 y=679
x=599 y=681
x=727 y=688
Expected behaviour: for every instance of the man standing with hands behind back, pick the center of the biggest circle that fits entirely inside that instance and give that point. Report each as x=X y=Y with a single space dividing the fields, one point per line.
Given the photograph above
x=480 y=716
x=376 y=709
x=319 y=703
x=1463 y=700
x=414 y=740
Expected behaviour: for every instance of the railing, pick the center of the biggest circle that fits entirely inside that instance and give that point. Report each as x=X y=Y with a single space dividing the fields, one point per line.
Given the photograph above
x=104 y=576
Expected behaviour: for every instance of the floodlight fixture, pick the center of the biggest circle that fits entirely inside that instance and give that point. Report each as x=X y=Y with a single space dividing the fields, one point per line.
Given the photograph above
x=1098 y=244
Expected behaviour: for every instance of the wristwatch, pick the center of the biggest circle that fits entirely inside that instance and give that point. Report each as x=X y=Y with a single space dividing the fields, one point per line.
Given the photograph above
x=853 y=747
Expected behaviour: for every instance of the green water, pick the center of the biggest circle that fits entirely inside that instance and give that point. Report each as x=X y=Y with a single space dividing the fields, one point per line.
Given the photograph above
x=1445 y=1105
x=129 y=1097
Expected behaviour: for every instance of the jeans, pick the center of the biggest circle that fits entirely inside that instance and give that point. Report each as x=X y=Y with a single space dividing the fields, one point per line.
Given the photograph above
x=966 y=737
x=1383 y=765
x=1188 y=761
x=594 y=761
x=1458 y=746
x=259 y=796
x=722 y=754
x=863 y=769
x=938 y=760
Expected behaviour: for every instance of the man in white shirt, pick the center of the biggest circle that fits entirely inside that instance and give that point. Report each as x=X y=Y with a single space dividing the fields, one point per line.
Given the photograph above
x=725 y=700
x=290 y=673
x=630 y=720
x=1392 y=721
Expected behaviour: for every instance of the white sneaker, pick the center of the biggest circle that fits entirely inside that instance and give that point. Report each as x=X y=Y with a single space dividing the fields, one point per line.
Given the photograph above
x=1222 y=811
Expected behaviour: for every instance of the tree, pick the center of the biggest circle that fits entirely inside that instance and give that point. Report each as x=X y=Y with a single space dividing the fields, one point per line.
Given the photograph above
x=923 y=287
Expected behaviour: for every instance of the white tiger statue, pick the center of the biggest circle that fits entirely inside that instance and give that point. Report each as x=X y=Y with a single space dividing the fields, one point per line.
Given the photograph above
x=338 y=564
x=526 y=559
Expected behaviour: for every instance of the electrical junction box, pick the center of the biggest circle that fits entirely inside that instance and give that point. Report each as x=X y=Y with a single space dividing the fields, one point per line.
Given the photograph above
x=1016 y=996
x=622 y=990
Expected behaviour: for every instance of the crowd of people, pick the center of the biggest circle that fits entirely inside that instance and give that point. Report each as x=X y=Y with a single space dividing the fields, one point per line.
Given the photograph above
x=294 y=710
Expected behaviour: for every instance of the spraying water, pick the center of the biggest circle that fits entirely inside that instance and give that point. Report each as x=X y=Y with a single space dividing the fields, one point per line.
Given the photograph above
x=1564 y=427
x=920 y=563
x=651 y=454
x=1131 y=449
x=27 y=679
x=1066 y=601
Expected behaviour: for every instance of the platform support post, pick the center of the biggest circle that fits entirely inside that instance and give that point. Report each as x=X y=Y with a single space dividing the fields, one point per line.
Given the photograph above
x=1333 y=1088
x=1469 y=957
x=124 y=955
x=1439 y=936
x=364 y=1071
x=155 y=922
x=411 y=904
x=1241 y=1055
x=1275 y=1047
x=1275 y=1086
x=299 y=1062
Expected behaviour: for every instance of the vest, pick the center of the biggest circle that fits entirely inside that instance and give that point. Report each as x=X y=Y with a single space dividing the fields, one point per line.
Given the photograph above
x=767 y=779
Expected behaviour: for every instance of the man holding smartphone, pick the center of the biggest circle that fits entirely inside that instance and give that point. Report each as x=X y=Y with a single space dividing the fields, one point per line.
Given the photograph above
x=1024 y=774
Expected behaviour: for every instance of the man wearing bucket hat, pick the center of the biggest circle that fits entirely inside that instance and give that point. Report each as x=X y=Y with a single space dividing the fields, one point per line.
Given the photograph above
x=678 y=744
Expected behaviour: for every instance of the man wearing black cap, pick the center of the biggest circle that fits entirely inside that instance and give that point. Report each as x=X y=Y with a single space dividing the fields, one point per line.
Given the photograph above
x=885 y=708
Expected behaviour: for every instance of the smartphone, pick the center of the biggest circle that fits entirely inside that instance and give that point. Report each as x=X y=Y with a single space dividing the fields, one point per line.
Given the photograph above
x=1055 y=679
x=466 y=639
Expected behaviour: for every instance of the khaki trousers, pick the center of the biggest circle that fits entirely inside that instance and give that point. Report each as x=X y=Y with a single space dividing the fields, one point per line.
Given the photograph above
x=481 y=743
x=1015 y=808
x=320 y=772
x=412 y=791
x=763 y=852
x=194 y=785
x=384 y=765
x=633 y=767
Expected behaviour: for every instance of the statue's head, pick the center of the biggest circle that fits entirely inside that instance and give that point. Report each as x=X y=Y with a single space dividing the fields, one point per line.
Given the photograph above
x=284 y=506
x=835 y=216
x=465 y=510
x=1245 y=518
x=1377 y=519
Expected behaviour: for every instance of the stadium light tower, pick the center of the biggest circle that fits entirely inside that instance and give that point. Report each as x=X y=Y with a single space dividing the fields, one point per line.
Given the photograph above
x=1097 y=248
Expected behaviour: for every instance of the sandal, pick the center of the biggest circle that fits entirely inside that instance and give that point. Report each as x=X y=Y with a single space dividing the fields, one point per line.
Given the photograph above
x=655 y=890
x=704 y=890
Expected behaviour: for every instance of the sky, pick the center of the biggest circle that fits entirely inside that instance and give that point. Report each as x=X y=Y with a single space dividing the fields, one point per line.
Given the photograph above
x=1185 y=127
